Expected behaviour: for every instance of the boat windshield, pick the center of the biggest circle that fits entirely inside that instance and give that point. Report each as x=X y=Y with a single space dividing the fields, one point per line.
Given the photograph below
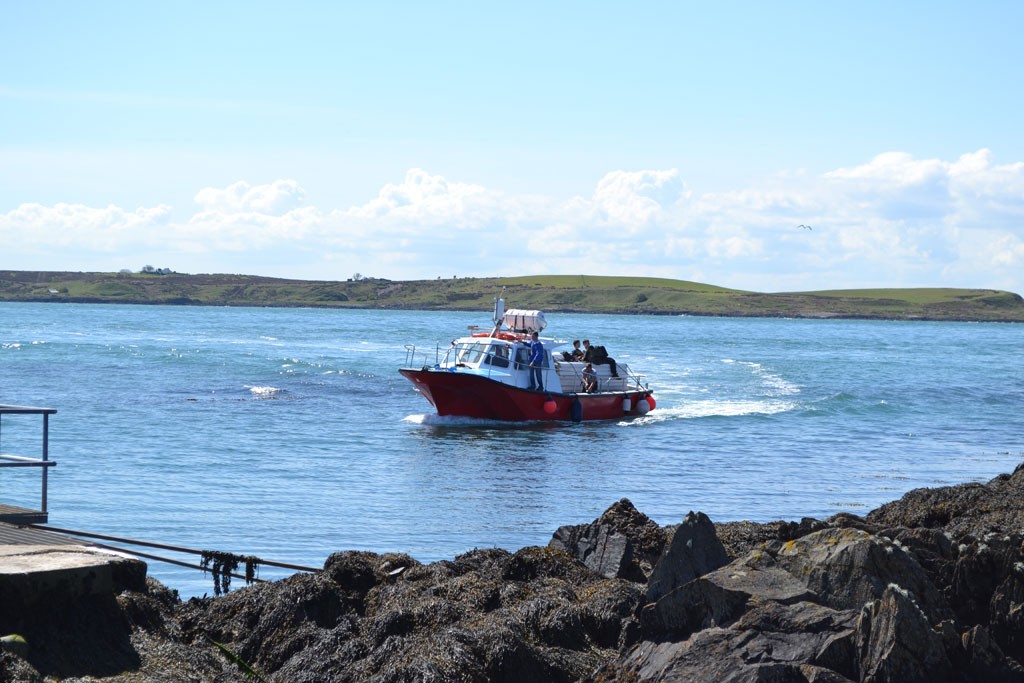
x=483 y=353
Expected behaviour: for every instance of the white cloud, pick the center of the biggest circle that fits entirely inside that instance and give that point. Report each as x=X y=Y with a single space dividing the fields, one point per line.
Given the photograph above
x=275 y=199
x=897 y=186
x=248 y=229
x=987 y=195
x=242 y=217
x=37 y=227
x=892 y=221
x=430 y=200
x=637 y=200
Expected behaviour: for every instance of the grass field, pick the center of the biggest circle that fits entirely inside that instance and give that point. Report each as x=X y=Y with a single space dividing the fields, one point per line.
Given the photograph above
x=577 y=293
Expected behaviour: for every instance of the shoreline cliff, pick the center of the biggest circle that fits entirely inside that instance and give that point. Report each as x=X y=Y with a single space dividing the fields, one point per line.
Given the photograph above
x=926 y=588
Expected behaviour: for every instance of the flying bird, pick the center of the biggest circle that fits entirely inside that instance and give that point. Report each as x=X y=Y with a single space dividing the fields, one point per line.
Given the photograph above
x=805 y=227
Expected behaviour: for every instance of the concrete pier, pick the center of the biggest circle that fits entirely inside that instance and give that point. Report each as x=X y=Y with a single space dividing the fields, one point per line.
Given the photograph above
x=30 y=574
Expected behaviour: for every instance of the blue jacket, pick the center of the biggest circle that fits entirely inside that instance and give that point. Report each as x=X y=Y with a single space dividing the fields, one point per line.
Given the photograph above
x=536 y=354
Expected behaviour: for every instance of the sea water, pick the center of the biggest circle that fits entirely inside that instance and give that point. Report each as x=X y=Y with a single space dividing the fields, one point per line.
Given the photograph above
x=288 y=433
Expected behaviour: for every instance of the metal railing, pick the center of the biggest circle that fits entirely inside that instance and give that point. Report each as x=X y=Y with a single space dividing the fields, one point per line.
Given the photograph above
x=43 y=463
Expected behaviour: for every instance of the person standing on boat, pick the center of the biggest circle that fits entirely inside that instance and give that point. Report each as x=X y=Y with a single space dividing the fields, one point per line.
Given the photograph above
x=536 y=364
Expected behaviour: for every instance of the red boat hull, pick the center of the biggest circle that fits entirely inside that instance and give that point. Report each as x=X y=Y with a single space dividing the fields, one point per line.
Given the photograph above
x=469 y=395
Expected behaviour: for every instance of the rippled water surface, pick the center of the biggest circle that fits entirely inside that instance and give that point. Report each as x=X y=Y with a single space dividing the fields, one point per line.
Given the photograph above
x=288 y=434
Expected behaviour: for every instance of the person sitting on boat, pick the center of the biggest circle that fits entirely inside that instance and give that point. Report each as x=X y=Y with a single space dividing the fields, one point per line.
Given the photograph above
x=576 y=354
x=589 y=379
x=536 y=364
x=599 y=356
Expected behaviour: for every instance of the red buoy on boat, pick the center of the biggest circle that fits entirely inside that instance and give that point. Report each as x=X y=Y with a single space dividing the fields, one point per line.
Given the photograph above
x=550 y=406
x=651 y=402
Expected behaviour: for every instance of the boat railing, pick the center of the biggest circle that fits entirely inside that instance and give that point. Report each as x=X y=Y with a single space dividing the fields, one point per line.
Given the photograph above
x=626 y=381
x=42 y=463
x=411 y=354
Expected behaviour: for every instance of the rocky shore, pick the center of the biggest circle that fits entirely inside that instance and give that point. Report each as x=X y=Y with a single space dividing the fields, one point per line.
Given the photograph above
x=928 y=588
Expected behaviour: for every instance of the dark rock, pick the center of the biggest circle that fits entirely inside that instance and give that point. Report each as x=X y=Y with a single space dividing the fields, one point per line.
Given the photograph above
x=967 y=509
x=489 y=615
x=772 y=642
x=933 y=549
x=985 y=661
x=83 y=635
x=848 y=567
x=622 y=543
x=816 y=674
x=846 y=520
x=647 y=537
x=987 y=587
x=718 y=598
x=805 y=633
x=1006 y=608
x=839 y=568
x=928 y=588
x=789 y=531
x=694 y=551
x=358 y=572
x=14 y=668
x=528 y=564
x=598 y=546
x=606 y=611
x=739 y=538
x=897 y=644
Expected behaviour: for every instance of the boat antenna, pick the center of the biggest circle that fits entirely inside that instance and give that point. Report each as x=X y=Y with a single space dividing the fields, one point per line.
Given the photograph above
x=499 y=312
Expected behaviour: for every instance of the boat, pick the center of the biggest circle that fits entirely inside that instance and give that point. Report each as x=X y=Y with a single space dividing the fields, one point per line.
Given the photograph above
x=486 y=374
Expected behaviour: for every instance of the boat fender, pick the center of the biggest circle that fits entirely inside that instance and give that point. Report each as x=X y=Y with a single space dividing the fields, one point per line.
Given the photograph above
x=627 y=405
x=550 y=406
x=576 y=410
x=643 y=407
x=651 y=402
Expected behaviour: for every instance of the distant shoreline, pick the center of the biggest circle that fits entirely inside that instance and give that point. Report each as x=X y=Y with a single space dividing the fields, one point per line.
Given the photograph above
x=557 y=293
x=550 y=309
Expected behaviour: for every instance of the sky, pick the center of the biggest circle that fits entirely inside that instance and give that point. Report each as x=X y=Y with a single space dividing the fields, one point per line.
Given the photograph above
x=786 y=146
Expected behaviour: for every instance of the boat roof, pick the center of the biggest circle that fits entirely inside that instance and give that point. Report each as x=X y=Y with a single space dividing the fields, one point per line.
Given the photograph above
x=506 y=338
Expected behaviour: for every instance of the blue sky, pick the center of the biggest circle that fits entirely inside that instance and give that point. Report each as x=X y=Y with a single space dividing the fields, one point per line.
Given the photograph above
x=418 y=140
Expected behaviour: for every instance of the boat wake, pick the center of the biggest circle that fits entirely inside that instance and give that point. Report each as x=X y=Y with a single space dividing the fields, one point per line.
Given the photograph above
x=463 y=421
x=713 y=408
x=450 y=421
x=771 y=382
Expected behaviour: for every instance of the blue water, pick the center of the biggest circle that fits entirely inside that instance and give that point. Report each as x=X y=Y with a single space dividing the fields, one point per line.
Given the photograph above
x=288 y=434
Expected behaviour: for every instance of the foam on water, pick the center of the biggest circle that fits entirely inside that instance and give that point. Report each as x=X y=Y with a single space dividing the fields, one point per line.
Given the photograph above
x=434 y=420
x=712 y=408
x=264 y=392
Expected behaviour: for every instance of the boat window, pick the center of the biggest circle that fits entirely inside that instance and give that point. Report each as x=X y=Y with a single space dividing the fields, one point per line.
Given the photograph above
x=523 y=355
x=498 y=356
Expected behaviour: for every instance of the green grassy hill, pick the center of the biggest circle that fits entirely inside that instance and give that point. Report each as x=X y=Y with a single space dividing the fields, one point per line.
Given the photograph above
x=577 y=293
